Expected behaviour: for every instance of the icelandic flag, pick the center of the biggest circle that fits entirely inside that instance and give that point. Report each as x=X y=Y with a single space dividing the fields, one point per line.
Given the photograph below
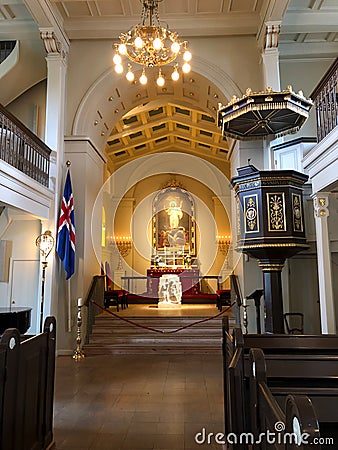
x=65 y=244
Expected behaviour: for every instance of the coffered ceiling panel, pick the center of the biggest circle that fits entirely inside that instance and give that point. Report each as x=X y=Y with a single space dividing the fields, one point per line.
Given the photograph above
x=245 y=5
x=314 y=5
x=209 y=6
x=175 y=7
x=109 y=8
x=13 y=10
x=76 y=9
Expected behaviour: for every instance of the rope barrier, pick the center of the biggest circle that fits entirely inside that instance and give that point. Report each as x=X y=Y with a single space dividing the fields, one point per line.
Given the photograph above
x=156 y=330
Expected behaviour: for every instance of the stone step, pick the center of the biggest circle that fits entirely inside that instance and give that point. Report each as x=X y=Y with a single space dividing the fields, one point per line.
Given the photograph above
x=160 y=339
x=91 y=350
x=111 y=335
x=156 y=322
x=191 y=331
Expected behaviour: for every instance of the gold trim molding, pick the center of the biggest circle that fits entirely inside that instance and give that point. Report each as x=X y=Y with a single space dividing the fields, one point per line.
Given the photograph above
x=271 y=267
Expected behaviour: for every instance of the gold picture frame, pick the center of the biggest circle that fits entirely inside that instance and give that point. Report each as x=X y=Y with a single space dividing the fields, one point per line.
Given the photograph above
x=174 y=220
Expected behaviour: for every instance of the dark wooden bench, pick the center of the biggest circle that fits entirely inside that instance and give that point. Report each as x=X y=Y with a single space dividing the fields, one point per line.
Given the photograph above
x=292 y=424
x=116 y=297
x=223 y=298
x=297 y=365
x=27 y=368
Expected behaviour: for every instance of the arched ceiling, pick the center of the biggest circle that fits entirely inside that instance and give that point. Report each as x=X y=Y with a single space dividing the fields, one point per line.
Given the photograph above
x=180 y=116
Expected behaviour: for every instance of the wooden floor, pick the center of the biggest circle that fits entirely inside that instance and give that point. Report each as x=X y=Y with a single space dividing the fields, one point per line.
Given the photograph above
x=138 y=402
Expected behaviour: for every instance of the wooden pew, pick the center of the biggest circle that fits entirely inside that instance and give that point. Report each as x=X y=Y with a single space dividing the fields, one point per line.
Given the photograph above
x=27 y=368
x=292 y=425
x=290 y=359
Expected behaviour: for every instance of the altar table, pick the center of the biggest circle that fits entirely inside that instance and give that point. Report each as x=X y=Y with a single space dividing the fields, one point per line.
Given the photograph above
x=189 y=279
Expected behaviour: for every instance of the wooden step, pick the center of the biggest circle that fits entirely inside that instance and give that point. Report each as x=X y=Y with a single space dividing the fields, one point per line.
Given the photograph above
x=110 y=335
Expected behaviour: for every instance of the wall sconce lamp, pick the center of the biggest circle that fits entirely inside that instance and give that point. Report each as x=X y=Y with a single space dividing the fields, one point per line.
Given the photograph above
x=123 y=245
x=223 y=243
x=45 y=243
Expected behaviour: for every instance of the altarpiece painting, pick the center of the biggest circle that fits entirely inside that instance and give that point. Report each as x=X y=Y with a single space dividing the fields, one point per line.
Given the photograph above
x=174 y=220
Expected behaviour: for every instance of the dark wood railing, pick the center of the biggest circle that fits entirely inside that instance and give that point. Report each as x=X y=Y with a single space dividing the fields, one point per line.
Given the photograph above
x=6 y=48
x=325 y=97
x=96 y=294
x=22 y=149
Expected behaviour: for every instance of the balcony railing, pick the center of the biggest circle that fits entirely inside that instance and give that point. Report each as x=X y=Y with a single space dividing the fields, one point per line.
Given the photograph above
x=325 y=97
x=6 y=47
x=20 y=148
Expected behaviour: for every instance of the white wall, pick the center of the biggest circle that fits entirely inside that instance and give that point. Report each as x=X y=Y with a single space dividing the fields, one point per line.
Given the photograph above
x=93 y=60
x=22 y=288
x=304 y=75
x=30 y=108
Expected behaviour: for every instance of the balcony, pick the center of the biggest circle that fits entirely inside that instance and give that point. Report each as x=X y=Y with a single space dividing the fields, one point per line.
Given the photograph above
x=325 y=97
x=20 y=148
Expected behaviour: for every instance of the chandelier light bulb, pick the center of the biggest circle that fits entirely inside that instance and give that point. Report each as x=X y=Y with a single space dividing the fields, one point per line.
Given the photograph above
x=122 y=49
x=157 y=44
x=130 y=75
x=175 y=47
x=160 y=80
x=117 y=59
x=175 y=75
x=187 y=56
x=143 y=78
x=138 y=42
x=186 y=67
x=118 y=68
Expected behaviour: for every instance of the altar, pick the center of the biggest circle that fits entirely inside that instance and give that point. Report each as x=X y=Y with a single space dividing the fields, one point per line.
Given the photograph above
x=189 y=278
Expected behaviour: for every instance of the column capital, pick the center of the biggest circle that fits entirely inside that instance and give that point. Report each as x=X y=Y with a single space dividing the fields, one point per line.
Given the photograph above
x=272 y=30
x=321 y=204
x=53 y=45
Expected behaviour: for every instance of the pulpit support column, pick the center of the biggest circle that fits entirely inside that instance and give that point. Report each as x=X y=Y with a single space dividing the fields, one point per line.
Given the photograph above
x=272 y=280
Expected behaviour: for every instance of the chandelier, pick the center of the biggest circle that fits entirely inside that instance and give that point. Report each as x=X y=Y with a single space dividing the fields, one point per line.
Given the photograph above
x=150 y=44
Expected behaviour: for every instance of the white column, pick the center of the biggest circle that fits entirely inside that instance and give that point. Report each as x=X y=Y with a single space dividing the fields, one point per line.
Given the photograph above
x=55 y=102
x=56 y=59
x=327 y=311
x=270 y=56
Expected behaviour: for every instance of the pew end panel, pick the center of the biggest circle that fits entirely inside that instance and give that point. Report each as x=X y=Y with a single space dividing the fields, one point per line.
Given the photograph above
x=27 y=389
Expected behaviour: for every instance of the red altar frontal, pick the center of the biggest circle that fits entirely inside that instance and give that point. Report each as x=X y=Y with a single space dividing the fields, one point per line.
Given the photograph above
x=189 y=279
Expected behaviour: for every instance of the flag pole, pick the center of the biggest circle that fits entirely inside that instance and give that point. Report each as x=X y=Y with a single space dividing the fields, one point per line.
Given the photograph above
x=69 y=309
x=65 y=247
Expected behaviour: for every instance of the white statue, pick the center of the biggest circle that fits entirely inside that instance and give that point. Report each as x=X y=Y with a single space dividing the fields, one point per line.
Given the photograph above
x=169 y=291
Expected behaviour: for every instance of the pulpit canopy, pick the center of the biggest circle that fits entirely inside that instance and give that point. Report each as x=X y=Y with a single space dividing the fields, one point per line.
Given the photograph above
x=265 y=113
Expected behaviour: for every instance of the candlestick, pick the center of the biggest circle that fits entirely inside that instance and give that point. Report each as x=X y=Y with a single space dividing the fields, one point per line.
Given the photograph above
x=78 y=353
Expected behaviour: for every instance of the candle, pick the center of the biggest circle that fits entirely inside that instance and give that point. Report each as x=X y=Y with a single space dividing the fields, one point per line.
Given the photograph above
x=80 y=302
